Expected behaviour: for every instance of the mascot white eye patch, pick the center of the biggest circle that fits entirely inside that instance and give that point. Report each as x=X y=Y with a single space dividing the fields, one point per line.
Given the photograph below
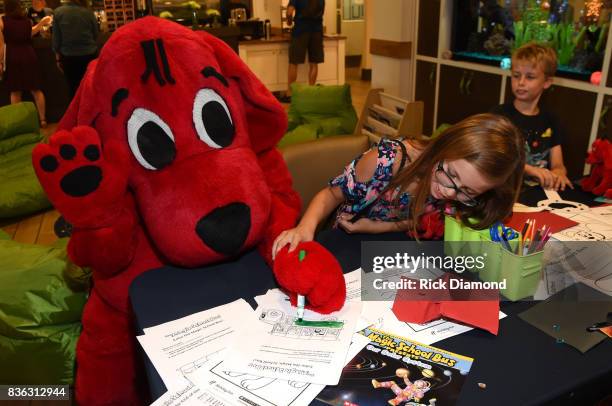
x=212 y=119
x=150 y=139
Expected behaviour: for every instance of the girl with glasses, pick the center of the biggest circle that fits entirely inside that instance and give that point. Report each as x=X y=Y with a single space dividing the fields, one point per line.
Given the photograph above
x=476 y=166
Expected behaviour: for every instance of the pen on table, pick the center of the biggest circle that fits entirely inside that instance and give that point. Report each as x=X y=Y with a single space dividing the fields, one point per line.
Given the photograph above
x=301 y=300
x=301 y=304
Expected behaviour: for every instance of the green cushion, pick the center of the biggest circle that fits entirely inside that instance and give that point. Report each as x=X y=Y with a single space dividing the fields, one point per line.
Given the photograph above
x=302 y=133
x=39 y=314
x=315 y=104
x=12 y=143
x=21 y=192
x=441 y=128
x=18 y=119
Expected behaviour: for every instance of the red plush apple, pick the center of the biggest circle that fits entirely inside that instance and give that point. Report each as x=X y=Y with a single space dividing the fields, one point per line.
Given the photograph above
x=312 y=271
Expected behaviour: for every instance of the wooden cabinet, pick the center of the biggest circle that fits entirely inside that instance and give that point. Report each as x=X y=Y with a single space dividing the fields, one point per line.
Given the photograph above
x=269 y=61
x=574 y=108
x=425 y=91
x=604 y=129
x=429 y=24
x=464 y=92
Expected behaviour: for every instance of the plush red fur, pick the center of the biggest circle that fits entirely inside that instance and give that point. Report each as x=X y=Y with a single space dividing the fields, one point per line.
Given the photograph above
x=599 y=181
x=314 y=276
x=165 y=156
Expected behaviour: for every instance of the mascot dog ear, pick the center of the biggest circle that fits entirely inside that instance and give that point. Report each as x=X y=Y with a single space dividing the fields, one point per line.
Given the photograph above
x=266 y=119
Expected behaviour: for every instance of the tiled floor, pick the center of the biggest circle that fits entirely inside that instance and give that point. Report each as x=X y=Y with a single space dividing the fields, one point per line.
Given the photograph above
x=38 y=228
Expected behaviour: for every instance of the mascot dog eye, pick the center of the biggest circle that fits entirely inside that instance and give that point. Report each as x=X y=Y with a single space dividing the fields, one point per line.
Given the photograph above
x=212 y=119
x=150 y=139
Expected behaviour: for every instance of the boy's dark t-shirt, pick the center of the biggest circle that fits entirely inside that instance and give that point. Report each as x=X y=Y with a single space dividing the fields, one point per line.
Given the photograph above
x=308 y=16
x=541 y=132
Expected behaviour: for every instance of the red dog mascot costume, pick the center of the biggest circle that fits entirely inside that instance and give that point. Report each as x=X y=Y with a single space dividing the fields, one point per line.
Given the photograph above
x=166 y=156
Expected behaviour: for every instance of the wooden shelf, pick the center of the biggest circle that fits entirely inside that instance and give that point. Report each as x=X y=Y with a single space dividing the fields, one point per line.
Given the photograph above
x=385 y=115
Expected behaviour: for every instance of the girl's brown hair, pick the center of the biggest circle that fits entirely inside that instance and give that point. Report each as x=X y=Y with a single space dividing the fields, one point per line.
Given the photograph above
x=489 y=142
x=13 y=8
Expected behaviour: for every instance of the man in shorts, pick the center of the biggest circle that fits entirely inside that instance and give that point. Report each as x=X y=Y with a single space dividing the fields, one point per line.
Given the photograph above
x=306 y=36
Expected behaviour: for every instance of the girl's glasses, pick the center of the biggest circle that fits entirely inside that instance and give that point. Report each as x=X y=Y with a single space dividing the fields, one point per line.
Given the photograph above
x=447 y=181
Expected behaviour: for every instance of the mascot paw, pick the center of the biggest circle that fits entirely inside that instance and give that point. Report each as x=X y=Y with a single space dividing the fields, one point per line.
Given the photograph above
x=312 y=271
x=74 y=174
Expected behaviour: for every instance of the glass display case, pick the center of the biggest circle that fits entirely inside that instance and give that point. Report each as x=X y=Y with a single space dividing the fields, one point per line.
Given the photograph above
x=487 y=31
x=199 y=13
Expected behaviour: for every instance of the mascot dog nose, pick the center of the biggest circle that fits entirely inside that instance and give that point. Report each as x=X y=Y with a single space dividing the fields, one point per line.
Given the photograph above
x=226 y=228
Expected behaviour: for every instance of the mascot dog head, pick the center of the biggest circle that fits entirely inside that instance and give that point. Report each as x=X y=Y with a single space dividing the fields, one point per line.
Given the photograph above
x=193 y=118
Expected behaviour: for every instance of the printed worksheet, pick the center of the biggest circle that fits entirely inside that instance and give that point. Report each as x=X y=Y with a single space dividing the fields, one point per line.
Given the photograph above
x=179 y=347
x=190 y=395
x=279 y=348
x=241 y=388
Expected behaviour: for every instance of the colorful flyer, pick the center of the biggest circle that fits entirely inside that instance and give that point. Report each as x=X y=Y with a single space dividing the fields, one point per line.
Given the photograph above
x=397 y=371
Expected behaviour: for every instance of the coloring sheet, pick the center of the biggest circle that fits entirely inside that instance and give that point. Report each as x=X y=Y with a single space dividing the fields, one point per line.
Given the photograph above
x=232 y=388
x=179 y=347
x=278 y=348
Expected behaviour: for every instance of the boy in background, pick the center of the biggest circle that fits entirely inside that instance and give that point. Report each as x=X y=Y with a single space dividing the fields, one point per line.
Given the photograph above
x=533 y=69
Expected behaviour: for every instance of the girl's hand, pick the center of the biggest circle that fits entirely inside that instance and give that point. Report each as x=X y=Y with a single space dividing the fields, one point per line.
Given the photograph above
x=46 y=20
x=562 y=180
x=292 y=237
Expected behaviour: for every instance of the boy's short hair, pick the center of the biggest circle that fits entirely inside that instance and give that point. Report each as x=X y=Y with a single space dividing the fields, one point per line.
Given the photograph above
x=544 y=56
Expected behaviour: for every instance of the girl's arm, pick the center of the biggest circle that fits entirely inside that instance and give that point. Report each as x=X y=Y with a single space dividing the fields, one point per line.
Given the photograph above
x=43 y=22
x=368 y=226
x=321 y=206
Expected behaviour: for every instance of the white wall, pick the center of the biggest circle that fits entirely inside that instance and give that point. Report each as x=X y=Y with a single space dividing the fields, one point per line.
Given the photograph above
x=354 y=31
x=268 y=10
x=366 y=58
x=394 y=20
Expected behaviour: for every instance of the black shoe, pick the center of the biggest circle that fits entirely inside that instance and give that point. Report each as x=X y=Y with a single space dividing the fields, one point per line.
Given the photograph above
x=284 y=99
x=62 y=228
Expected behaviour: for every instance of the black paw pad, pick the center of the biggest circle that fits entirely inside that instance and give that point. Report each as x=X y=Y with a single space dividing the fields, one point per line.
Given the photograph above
x=81 y=181
x=92 y=152
x=67 y=151
x=48 y=163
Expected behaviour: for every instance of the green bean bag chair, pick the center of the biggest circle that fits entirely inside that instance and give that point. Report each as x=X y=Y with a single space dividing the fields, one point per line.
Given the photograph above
x=41 y=298
x=20 y=193
x=319 y=111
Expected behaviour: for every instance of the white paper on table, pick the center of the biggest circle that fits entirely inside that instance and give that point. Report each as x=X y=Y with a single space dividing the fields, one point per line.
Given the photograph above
x=427 y=333
x=277 y=348
x=240 y=388
x=190 y=395
x=589 y=262
x=180 y=346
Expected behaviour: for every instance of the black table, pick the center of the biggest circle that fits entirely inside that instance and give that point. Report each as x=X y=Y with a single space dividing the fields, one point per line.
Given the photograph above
x=520 y=366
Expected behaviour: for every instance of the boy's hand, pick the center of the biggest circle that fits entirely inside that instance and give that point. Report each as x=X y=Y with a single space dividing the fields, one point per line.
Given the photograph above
x=545 y=177
x=561 y=180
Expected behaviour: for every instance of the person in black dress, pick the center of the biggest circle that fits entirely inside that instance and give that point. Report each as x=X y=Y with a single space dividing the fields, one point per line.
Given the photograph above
x=22 y=69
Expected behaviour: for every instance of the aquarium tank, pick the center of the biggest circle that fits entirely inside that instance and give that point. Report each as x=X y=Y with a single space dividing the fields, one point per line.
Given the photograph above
x=487 y=31
x=197 y=14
